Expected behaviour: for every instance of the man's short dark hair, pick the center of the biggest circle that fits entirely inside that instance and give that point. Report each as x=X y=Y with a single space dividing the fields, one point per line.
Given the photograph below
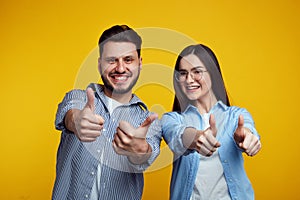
x=120 y=33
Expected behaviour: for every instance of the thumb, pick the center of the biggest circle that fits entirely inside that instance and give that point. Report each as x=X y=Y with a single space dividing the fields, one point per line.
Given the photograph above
x=239 y=134
x=149 y=120
x=141 y=131
x=212 y=123
x=90 y=99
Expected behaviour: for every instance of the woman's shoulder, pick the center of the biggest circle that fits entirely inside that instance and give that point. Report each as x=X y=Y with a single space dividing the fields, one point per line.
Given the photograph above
x=235 y=111
x=171 y=114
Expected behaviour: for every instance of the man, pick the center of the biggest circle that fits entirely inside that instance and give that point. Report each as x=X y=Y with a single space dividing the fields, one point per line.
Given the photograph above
x=108 y=136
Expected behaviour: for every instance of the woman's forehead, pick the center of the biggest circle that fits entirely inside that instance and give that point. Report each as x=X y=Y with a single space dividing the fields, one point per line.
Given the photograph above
x=191 y=61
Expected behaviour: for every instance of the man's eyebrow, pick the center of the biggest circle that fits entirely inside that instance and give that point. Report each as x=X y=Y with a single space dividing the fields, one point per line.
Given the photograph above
x=110 y=58
x=123 y=56
x=127 y=56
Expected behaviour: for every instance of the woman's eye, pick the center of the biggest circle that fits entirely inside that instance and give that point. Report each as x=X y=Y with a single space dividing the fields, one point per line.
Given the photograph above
x=182 y=73
x=197 y=72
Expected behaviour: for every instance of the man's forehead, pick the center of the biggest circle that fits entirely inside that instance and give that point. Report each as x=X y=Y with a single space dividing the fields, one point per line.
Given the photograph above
x=118 y=49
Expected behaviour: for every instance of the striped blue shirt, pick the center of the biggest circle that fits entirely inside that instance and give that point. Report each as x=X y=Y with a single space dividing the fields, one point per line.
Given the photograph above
x=77 y=162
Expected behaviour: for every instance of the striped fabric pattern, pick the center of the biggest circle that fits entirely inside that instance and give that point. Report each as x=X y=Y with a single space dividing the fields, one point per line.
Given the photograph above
x=77 y=162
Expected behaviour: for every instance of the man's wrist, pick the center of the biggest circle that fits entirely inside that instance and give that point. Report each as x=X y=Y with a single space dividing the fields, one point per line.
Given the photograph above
x=69 y=119
x=149 y=149
x=142 y=156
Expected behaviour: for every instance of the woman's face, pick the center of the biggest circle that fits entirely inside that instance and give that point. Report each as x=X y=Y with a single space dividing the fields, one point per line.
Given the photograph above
x=193 y=78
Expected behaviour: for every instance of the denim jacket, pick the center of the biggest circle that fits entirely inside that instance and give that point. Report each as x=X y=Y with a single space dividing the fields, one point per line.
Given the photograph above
x=186 y=162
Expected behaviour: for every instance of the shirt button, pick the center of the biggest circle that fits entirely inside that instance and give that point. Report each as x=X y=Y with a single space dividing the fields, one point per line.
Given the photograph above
x=93 y=173
x=98 y=150
x=86 y=196
x=103 y=129
x=225 y=161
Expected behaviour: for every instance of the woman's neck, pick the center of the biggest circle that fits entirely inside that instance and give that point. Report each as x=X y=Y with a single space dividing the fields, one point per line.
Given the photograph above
x=205 y=105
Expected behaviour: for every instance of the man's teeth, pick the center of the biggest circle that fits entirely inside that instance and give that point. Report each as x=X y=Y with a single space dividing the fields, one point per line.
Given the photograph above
x=120 y=78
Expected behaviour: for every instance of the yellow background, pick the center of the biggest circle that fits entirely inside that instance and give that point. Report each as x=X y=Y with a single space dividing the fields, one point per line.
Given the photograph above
x=44 y=43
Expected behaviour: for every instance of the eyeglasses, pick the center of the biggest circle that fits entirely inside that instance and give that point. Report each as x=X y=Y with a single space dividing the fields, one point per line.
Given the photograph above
x=182 y=75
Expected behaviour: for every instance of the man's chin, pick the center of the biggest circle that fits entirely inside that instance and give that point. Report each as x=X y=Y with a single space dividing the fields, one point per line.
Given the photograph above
x=120 y=89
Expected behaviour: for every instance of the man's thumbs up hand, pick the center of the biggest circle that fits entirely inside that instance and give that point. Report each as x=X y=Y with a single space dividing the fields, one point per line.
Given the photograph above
x=131 y=142
x=87 y=124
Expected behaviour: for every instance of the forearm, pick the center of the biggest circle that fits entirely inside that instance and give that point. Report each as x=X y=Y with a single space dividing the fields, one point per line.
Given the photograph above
x=69 y=119
x=142 y=155
x=189 y=138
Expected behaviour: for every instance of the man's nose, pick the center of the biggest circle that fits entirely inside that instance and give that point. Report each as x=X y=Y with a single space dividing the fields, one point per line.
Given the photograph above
x=120 y=66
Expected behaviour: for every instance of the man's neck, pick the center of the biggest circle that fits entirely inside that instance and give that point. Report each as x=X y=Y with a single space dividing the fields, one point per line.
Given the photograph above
x=122 y=98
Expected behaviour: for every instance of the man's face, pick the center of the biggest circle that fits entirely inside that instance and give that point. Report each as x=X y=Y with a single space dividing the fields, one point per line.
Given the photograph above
x=119 y=66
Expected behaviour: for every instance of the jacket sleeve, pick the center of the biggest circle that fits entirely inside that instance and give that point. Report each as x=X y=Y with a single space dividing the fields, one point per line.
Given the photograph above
x=153 y=138
x=75 y=99
x=249 y=122
x=172 y=130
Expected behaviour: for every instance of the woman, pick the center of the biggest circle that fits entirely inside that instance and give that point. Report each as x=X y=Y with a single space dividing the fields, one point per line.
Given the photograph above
x=206 y=134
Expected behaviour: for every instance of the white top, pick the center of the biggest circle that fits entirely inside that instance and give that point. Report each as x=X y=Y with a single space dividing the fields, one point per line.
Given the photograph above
x=111 y=105
x=210 y=182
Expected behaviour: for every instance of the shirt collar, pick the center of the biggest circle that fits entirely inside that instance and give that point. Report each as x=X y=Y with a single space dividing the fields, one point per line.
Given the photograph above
x=219 y=104
x=98 y=89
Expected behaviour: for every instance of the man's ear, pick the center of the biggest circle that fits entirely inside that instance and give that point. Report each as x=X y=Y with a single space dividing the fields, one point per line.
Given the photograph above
x=99 y=65
x=140 y=62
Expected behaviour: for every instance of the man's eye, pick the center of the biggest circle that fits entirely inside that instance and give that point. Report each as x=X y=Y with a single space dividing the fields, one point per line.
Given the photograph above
x=128 y=60
x=111 y=61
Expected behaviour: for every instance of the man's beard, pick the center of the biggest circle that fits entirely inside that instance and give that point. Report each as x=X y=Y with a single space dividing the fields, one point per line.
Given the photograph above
x=119 y=90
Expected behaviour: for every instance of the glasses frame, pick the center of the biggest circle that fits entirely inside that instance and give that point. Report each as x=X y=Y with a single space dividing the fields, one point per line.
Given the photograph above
x=196 y=77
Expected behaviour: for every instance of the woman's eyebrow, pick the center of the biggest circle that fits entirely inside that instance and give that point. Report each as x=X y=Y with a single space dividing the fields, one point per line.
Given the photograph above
x=197 y=67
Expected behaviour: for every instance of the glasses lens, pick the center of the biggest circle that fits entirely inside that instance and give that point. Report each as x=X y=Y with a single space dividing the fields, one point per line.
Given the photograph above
x=182 y=76
x=177 y=76
x=197 y=74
